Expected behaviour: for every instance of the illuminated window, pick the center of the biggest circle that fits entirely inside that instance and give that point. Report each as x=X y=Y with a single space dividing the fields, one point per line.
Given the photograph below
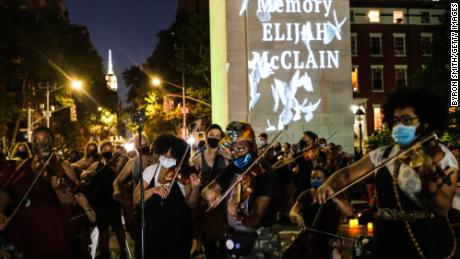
x=401 y=75
x=378 y=118
x=398 y=17
x=425 y=17
x=354 y=78
x=399 y=44
x=376 y=44
x=374 y=16
x=377 y=78
x=426 y=43
x=354 y=45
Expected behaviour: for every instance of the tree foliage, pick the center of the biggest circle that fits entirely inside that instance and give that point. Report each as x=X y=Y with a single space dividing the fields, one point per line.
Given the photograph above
x=436 y=78
x=40 y=49
x=182 y=52
x=379 y=138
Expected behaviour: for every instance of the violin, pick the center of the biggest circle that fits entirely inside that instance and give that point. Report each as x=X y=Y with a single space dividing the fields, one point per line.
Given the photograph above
x=54 y=168
x=183 y=174
x=415 y=155
x=244 y=188
x=244 y=185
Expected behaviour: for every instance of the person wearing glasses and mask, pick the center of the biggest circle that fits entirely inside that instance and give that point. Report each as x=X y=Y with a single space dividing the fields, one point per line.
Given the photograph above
x=168 y=219
x=412 y=202
x=250 y=221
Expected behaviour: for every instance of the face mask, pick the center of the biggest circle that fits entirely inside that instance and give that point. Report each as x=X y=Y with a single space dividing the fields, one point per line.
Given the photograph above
x=22 y=154
x=315 y=183
x=322 y=145
x=243 y=161
x=213 y=142
x=404 y=135
x=302 y=144
x=263 y=142
x=277 y=149
x=167 y=162
x=107 y=155
x=145 y=150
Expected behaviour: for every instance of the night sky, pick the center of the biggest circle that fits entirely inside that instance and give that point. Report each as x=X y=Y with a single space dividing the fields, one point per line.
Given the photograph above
x=128 y=27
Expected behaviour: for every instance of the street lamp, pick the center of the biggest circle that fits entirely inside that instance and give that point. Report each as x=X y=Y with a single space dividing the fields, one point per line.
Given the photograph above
x=156 y=82
x=75 y=84
x=360 y=117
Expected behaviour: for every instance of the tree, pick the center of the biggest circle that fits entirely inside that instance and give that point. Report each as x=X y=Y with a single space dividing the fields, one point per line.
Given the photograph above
x=436 y=78
x=182 y=48
x=39 y=49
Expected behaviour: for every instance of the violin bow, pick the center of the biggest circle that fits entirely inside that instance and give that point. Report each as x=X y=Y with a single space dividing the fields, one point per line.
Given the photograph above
x=384 y=163
x=178 y=167
x=24 y=197
x=276 y=167
x=240 y=177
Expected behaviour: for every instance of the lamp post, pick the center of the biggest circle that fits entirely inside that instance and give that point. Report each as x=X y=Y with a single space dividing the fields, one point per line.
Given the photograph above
x=156 y=82
x=75 y=84
x=360 y=117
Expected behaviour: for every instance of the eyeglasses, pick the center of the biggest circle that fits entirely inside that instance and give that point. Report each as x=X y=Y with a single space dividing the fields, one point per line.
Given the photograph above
x=405 y=119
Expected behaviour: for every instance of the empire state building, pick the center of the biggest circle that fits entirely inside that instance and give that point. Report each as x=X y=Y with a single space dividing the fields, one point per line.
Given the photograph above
x=110 y=77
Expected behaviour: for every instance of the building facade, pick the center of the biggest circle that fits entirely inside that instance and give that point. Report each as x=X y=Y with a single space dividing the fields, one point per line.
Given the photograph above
x=390 y=41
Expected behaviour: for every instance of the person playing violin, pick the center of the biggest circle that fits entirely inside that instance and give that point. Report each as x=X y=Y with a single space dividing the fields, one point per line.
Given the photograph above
x=126 y=180
x=168 y=220
x=91 y=156
x=302 y=172
x=99 y=177
x=40 y=228
x=211 y=225
x=304 y=212
x=250 y=218
x=412 y=202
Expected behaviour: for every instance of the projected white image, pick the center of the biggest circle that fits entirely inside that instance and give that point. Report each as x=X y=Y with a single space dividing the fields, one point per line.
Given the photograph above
x=315 y=35
x=293 y=110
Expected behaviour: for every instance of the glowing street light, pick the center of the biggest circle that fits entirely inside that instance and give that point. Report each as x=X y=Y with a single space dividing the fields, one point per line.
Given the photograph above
x=156 y=81
x=77 y=84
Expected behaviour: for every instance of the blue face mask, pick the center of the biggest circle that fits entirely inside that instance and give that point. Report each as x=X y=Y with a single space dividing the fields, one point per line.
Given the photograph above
x=404 y=135
x=315 y=183
x=242 y=162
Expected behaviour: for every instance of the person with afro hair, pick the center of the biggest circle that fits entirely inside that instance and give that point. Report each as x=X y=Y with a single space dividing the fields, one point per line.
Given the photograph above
x=412 y=200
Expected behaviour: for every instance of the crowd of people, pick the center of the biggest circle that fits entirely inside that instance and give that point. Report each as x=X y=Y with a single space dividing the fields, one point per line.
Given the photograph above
x=221 y=200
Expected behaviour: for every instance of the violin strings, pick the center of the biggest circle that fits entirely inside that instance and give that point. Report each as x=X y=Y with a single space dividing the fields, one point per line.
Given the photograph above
x=29 y=189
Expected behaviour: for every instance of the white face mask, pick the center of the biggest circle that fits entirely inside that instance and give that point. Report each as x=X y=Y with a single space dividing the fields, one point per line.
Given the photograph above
x=167 y=162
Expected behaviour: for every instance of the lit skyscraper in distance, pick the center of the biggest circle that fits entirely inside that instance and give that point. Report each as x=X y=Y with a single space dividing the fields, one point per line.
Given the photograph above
x=111 y=78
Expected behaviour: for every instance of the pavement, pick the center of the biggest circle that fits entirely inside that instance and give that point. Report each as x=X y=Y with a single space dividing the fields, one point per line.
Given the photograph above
x=287 y=233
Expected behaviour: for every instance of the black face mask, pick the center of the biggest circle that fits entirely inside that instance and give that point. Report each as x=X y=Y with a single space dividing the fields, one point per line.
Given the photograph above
x=107 y=155
x=213 y=142
x=277 y=149
x=145 y=150
x=22 y=154
x=302 y=144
